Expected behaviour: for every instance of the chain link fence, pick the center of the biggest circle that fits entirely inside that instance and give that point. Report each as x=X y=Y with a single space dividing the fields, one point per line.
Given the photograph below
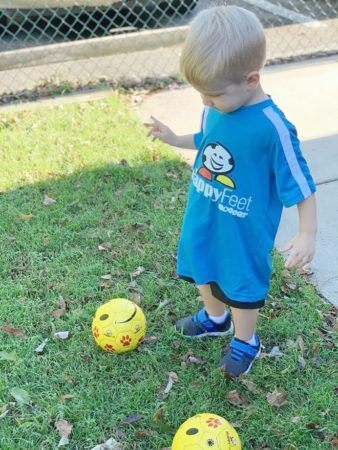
x=89 y=41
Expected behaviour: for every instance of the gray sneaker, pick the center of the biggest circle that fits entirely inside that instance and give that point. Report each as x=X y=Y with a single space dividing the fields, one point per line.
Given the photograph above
x=200 y=325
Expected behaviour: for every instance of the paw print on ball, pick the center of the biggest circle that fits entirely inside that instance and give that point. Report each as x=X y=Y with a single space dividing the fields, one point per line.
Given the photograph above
x=125 y=341
x=96 y=333
x=213 y=422
x=109 y=348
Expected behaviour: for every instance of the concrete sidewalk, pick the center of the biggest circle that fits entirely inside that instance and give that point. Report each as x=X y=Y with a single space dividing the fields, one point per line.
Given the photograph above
x=307 y=92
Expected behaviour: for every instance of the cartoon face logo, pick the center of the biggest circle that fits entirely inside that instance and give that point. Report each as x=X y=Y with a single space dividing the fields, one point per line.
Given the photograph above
x=217 y=159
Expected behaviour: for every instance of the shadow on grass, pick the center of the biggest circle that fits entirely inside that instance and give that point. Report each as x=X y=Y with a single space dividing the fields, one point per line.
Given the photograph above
x=48 y=251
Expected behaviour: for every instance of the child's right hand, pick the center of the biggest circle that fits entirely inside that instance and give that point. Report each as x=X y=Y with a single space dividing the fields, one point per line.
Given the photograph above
x=160 y=131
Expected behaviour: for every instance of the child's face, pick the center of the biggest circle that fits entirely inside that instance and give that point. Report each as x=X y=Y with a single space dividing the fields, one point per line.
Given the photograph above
x=229 y=98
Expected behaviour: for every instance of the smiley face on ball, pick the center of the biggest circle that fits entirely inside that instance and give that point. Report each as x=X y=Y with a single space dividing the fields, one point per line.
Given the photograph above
x=119 y=325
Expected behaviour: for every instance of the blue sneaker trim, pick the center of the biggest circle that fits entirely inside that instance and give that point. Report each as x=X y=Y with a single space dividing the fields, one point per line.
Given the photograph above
x=239 y=357
x=202 y=318
x=239 y=348
x=200 y=325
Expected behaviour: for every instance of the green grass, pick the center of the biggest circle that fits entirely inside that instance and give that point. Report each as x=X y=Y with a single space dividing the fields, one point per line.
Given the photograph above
x=106 y=177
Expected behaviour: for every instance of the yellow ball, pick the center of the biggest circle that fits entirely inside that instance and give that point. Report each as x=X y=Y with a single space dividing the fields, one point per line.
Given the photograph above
x=119 y=325
x=206 y=432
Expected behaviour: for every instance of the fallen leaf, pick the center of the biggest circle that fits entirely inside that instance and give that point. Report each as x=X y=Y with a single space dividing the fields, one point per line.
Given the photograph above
x=47 y=201
x=41 y=348
x=301 y=362
x=26 y=217
x=21 y=396
x=136 y=297
x=132 y=419
x=65 y=397
x=60 y=311
x=251 y=386
x=295 y=420
x=190 y=358
x=150 y=339
x=63 y=335
x=300 y=343
x=4 y=410
x=159 y=415
x=276 y=398
x=237 y=399
x=5 y=356
x=164 y=303
x=138 y=272
x=143 y=434
x=137 y=226
x=195 y=360
x=105 y=246
x=274 y=352
x=111 y=444
x=64 y=429
x=106 y=277
x=173 y=378
x=16 y=331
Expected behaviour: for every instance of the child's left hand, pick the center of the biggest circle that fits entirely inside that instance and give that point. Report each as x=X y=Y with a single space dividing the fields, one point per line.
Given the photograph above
x=302 y=249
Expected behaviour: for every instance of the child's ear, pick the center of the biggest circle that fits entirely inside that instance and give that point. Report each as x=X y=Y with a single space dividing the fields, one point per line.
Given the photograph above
x=253 y=78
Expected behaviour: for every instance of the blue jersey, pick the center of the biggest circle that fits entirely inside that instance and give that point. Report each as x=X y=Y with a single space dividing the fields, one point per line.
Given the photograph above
x=248 y=165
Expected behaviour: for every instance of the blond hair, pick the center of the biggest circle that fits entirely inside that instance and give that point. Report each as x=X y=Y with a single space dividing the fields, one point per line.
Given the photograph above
x=224 y=43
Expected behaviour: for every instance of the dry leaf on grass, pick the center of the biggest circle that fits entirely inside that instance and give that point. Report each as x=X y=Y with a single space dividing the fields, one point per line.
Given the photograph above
x=48 y=201
x=190 y=358
x=26 y=217
x=64 y=429
x=165 y=389
x=301 y=362
x=132 y=419
x=250 y=385
x=274 y=353
x=173 y=378
x=4 y=411
x=41 y=348
x=65 y=397
x=106 y=277
x=300 y=343
x=276 y=398
x=237 y=399
x=111 y=444
x=63 y=335
x=136 y=297
x=56 y=313
x=105 y=246
x=295 y=420
x=15 y=331
x=138 y=272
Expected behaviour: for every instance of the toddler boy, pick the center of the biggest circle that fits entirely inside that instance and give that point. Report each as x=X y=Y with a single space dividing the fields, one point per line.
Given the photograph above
x=248 y=166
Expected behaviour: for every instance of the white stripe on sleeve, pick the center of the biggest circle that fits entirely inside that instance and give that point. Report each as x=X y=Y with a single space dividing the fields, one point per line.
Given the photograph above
x=288 y=150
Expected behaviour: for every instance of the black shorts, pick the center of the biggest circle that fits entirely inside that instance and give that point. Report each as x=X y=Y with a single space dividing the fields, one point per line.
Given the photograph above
x=219 y=294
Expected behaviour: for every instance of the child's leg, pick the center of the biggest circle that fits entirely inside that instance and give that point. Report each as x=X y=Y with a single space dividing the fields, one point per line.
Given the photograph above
x=212 y=306
x=212 y=320
x=245 y=321
x=245 y=346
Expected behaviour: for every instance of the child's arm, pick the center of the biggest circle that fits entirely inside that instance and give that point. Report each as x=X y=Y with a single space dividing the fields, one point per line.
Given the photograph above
x=303 y=245
x=160 y=131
